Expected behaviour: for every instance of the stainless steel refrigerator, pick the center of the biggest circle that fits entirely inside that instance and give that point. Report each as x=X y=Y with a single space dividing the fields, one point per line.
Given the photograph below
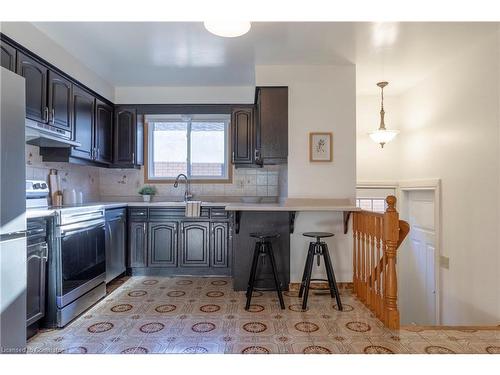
x=12 y=214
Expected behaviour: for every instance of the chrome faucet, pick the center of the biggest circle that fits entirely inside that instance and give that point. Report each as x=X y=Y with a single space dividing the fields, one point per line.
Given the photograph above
x=187 y=193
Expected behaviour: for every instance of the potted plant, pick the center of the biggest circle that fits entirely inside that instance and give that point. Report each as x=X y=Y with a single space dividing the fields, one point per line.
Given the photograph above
x=146 y=192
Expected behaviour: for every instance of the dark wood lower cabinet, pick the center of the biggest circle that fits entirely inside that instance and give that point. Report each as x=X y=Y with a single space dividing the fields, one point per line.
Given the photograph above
x=163 y=242
x=138 y=244
x=194 y=244
x=162 y=250
x=219 y=244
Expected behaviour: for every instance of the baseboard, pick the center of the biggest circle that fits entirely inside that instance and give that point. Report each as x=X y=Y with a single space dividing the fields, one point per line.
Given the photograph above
x=321 y=285
x=415 y=328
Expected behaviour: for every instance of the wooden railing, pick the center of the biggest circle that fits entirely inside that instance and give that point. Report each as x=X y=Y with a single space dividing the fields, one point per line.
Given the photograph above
x=376 y=238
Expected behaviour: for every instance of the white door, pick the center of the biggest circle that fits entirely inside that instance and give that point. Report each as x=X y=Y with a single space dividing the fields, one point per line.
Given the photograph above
x=417 y=260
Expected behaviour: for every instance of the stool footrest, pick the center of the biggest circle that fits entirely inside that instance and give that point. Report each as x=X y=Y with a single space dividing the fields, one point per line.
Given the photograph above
x=319 y=249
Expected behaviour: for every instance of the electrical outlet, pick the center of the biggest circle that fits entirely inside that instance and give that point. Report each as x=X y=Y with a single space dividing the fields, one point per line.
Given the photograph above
x=444 y=262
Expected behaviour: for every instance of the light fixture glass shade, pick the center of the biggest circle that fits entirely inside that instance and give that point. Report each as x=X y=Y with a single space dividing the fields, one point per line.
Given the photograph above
x=383 y=136
x=228 y=29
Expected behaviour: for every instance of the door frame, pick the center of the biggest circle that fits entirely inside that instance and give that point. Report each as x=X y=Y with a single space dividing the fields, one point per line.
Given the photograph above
x=435 y=186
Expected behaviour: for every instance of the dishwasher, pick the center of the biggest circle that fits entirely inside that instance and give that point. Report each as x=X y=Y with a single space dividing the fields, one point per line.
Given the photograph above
x=115 y=243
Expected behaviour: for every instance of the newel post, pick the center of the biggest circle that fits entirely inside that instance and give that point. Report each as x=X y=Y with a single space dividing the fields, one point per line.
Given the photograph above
x=391 y=237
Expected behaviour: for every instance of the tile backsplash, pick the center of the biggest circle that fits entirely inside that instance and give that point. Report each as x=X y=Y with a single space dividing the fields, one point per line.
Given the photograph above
x=117 y=184
x=72 y=176
x=107 y=184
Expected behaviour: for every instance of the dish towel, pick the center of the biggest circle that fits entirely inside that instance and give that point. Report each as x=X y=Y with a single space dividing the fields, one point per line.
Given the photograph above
x=193 y=208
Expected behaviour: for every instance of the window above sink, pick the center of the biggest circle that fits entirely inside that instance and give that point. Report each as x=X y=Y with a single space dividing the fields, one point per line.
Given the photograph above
x=196 y=145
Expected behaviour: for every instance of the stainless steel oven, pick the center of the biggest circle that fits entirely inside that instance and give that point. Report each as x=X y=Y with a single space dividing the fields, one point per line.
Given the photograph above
x=81 y=261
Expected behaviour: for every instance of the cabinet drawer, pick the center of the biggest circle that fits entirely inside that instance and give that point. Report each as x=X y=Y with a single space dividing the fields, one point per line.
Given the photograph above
x=138 y=214
x=166 y=213
x=178 y=212
x=219 y=213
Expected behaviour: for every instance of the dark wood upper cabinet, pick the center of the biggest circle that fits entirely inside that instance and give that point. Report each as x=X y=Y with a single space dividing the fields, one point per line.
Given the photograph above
x=194 y=246
x=103 y=132
x=125 y=137
x=83 y=123
x=59 y=101
x=272 y=124
x=8 y=54
x=35 y=75
x=243 y=134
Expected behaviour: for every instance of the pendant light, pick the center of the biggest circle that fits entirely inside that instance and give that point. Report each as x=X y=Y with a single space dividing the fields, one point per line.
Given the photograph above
x=383 y=135
x=228 y=29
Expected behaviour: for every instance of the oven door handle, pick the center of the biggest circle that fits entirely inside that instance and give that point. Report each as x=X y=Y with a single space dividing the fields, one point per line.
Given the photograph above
x=81 y=228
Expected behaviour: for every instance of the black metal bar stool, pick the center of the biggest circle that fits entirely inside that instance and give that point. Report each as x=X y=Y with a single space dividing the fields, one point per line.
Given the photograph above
x=263 y=248
x=318 y=248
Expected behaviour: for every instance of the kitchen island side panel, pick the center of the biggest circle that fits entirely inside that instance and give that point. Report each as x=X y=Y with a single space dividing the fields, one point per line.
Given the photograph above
x=243 y=247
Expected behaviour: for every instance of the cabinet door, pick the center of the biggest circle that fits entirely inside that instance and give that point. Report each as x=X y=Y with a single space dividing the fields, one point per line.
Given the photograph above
x=219 y=244
x=243 y=135
x=83 y=123
x=125 y=136
x=59 y=101
x=35 y=75
x=194 y=244
x=35 y=287
x=163 y=244
x=103 y=132
x=8 y=54
x=138 y=245
x=272 y=123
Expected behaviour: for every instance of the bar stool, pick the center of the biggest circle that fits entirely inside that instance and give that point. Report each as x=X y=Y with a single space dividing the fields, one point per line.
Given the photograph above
x=318 y=248
x=263 y=248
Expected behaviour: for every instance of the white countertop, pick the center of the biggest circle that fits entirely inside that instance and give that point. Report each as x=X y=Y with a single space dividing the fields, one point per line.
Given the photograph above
x=42 y=212
x=297 y=204
x=290 y=204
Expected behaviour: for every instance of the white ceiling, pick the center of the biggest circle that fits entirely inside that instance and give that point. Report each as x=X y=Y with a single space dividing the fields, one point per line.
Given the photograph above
x=185 y=54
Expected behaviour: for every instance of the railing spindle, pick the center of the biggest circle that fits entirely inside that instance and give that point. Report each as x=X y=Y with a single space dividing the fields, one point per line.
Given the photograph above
x=376 y=238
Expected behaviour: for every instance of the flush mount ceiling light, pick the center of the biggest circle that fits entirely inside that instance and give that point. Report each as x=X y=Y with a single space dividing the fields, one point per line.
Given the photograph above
x=228 y=29
x=383 y=135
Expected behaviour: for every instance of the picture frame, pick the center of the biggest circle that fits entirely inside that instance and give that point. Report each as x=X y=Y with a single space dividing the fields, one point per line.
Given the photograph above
x=320 y=146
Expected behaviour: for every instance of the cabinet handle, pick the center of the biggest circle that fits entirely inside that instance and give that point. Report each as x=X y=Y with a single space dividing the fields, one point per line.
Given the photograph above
x=45 y=249
x=46 y=114
x=256 y=154
x=98 y=152
x=233 y=158
x=53 y=120
x=133 y=157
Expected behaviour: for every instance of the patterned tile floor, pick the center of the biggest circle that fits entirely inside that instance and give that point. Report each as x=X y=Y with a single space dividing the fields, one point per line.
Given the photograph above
x=204 y=315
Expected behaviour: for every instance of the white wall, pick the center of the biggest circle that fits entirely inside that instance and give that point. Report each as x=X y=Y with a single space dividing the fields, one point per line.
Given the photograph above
x=33 y=39
x=320 y=98
x=185 y=95
x=449 y=126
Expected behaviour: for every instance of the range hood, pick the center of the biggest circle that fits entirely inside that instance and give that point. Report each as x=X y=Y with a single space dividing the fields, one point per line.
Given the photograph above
x=44 y=135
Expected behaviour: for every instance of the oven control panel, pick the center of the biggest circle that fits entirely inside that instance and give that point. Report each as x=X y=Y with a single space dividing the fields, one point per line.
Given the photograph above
x=36 y=189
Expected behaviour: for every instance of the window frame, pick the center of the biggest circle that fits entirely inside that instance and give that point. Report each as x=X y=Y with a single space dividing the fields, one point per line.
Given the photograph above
x=190 y=118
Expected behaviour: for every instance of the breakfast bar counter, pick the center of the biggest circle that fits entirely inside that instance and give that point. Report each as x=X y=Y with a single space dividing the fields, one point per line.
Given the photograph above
x=277 y=218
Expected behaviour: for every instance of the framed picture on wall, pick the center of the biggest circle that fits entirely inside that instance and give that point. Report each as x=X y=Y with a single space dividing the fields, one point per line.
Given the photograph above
x=320 y=147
